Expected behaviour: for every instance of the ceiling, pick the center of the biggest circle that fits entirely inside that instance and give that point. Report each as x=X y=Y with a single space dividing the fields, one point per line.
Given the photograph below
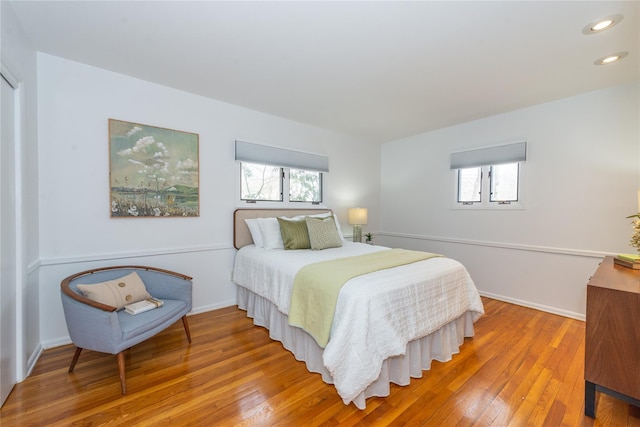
x=375 y=70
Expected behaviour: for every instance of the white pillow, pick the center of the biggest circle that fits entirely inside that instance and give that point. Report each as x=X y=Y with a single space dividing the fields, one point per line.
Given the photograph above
x=335 y=219
x=256 y=233
x=271 y=237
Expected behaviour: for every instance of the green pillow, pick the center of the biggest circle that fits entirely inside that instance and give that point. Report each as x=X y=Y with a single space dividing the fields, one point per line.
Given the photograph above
x=294 y=234
x=323 y=233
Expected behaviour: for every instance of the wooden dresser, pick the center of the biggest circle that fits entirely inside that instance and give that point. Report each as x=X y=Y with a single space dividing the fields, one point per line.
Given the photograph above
x=612 y=347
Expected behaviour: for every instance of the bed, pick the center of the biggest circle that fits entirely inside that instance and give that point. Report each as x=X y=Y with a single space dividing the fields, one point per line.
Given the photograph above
x=388 y=325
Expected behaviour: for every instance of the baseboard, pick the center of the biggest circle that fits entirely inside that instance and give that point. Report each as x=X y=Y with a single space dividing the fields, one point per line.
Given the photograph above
x=57 y=342
x=33 y=359
x=528 y=304
x=211 y=307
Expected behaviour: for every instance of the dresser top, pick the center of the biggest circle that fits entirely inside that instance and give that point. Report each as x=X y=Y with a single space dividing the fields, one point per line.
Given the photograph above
x=616 y=277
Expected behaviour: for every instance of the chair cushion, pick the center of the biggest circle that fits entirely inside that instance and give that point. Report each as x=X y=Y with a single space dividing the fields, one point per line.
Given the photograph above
x=118 y=292
x=135 y=325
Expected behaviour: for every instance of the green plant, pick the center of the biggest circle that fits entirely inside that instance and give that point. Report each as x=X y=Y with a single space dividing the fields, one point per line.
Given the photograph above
x=368 y=237
x=635 y=238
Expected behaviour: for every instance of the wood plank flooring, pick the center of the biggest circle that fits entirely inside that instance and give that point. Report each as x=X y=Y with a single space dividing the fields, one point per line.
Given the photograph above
x=523 y=368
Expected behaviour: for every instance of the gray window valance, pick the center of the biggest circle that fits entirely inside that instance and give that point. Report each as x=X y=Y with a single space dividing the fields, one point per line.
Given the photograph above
x=274 y=156
x=500 y=154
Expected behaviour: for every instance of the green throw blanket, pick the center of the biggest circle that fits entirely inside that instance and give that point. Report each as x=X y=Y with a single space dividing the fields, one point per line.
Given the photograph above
x=316 y=286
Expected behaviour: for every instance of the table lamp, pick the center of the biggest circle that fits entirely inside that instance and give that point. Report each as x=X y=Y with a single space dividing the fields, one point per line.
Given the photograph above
x=357 y=218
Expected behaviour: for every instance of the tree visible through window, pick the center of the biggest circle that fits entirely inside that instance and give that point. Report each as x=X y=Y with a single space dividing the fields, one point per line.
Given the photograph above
x=305 y=186
x=261 y=182
x=270 y=183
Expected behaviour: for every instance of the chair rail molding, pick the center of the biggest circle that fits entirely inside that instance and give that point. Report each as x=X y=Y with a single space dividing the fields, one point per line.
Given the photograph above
x=502 y=245
x=132 y=254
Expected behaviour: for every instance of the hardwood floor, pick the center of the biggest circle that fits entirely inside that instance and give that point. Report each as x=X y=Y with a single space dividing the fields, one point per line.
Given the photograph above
x=523 y=368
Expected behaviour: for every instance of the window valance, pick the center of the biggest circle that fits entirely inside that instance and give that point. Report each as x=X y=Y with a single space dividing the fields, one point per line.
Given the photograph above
x=500 y=154
x=274 y=156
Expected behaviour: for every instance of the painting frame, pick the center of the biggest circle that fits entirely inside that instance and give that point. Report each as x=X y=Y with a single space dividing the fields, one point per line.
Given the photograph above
x=153 y=171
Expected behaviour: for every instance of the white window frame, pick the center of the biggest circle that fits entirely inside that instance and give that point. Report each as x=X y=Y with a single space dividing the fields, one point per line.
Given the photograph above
x=285 y=202
x=286 y=159
x=484 y=203
x=287 y=182
x=485 y=158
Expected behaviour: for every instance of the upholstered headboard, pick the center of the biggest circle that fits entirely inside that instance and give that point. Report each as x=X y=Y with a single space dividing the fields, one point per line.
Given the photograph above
x=241 y=234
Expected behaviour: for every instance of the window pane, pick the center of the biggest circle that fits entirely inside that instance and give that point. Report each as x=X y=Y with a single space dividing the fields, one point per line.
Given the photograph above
x=504 y=183
x=469 y=185
x=305 y=186
x=260 y=182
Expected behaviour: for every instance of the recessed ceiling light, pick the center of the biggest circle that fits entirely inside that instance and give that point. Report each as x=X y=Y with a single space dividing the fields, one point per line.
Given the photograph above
x=610 y=59
x=602 y=24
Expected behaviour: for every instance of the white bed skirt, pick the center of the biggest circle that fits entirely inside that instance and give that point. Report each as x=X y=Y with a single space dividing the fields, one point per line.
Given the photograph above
x=440 y=345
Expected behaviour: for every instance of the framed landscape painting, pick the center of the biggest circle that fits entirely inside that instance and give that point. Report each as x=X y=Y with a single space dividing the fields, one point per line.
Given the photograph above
x=153 y=171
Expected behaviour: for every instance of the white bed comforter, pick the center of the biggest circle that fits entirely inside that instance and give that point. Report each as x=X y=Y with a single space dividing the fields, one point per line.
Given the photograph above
x=377 y=314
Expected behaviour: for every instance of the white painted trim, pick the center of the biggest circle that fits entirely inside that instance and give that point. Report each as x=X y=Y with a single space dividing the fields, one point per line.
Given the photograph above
x=502 y=245
x=21 y=271
x=33 y=359
x=132 y=254
x=9 y=77
x=33 y=267
x=540 y=307
x=211 y=307
x=57 y=342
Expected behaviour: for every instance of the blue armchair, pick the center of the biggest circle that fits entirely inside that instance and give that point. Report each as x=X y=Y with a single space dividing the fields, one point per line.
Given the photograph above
x=100 y=327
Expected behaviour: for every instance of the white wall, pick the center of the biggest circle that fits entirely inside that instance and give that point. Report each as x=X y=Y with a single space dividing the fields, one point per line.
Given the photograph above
x=582 y=175
x=75 y=103
x=20 y=60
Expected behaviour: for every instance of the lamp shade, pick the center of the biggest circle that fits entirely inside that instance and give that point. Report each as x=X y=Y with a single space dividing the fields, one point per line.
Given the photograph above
x=358 y=216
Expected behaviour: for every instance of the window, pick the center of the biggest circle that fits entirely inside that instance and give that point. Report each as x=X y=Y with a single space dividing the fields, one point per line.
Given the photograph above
x=271 y=183
x=279 y=175
x=305 y=186
x=498 y=169
x=469 y=185
x=503 y=184
x=261 y=182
